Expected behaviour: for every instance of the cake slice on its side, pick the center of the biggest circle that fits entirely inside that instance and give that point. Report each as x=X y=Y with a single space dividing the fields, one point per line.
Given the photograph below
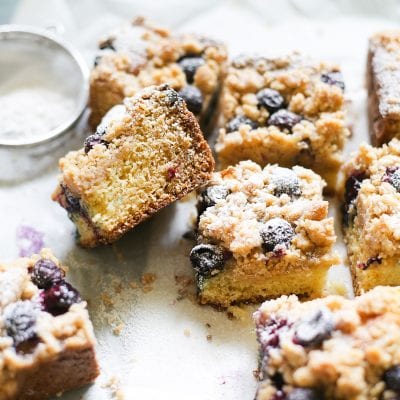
x=144 y=155
x=371 y=219
x=331 y=348
x=262 y=233
x=46 y=337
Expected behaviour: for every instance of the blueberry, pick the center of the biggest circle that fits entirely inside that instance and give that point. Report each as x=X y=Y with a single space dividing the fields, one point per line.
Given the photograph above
x=235 y=123
x=172 y=97
x=392 y=175
x=59 y=298
x=271 y=99
x=96 y=138
x=313 y=330
x=71 y=203
x=392 y=378
x=189 y=65
x=20 y=321
x=193 y=98
x=333 y=78
x=45 y=273
x=352 y=187
x=211 y=195
x=276 y=232
x=284 y=119
x=207 y=259
x=304 y=394
x=285 y=181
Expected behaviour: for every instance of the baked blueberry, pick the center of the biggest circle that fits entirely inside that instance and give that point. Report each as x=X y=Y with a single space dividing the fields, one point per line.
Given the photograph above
x=189 y=65
x=392 y=378
x=304 y=394
x=235 y=123
x=270 y=99
x=20 y=321
x=352 y=187
x=193 y=98
x=207 y=259
x=284 y=119
x=211 y=195
x=392 y=175
x=96 y=138
x=333 y=78
x=59 y=298
x=172 y=97
x=285 y=181
x=45 y=273
x=313 y=330
x=276 y=232
x=70 y=202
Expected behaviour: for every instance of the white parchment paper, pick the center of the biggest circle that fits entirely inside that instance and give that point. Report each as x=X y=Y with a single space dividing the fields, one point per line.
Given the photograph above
x=162 y=351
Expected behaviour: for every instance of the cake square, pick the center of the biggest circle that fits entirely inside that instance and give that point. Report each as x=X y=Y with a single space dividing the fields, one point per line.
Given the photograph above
x=383 y=82
x=142 y=54
x=331 y=348
x=287 y=111
x=262 y=233
x=47 y=345
x=371 y=215
x=145 y=154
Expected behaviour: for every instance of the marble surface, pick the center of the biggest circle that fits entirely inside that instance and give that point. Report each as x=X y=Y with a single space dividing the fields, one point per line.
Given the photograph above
x=162 y=350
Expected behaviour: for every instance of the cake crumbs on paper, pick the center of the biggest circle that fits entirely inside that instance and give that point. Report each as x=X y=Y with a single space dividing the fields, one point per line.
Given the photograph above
x=147 y=281
x=209 y=338
x=118 y=329
x=134 y=285
x=208 y=325
x=114 y=386
x=107 y=300
x=257 y=374
x=236 y=312
x=186 y=332
x=184 y=283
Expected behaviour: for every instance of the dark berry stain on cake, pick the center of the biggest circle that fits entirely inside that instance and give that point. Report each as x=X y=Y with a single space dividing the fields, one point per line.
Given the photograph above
x=270 y=99
x=93 y=140
x=235 y=123
x=313 y=330
x=370 y=261
x=207 y=259
x=69 y=201
x=352 y=187
x=210 y=196
x=193 y=98
x=45 y=273
x=59 y=298
x=20 y=321
x=304 y=394
x=29 y=240
x=333 y=78
x=276 y=232
x=285 y=181
x=270 y=332
x=284 y=119
x=189 y=65
x=392 y=378
x=392 y=176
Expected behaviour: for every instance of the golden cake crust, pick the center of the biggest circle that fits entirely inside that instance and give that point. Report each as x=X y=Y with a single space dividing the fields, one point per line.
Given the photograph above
x=315 y=142
x=357 y=345
x=63 y=357
x=154 y=154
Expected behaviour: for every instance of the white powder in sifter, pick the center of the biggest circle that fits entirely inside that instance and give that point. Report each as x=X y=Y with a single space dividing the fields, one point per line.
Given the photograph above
x=30 y=112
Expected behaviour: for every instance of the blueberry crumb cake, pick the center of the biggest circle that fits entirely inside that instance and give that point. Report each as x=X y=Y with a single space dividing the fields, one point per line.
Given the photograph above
x=371 y=215
x=141 y=54
x=383 y=81
x=287 y=110
x=262 y=233
x=46 y=337
x=331 y=348
x=144 y=155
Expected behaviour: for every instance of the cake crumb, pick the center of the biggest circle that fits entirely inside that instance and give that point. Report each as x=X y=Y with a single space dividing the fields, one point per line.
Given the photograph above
x=236 y=312
x=208 y=325
x=186 y=332
x=107 y=300
x=257 y=374
x=118 y=329
x=147 y=281
x=209 y=338
x=134 y=285
x=185 y=283
x=337 y=287
x=114 y=386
